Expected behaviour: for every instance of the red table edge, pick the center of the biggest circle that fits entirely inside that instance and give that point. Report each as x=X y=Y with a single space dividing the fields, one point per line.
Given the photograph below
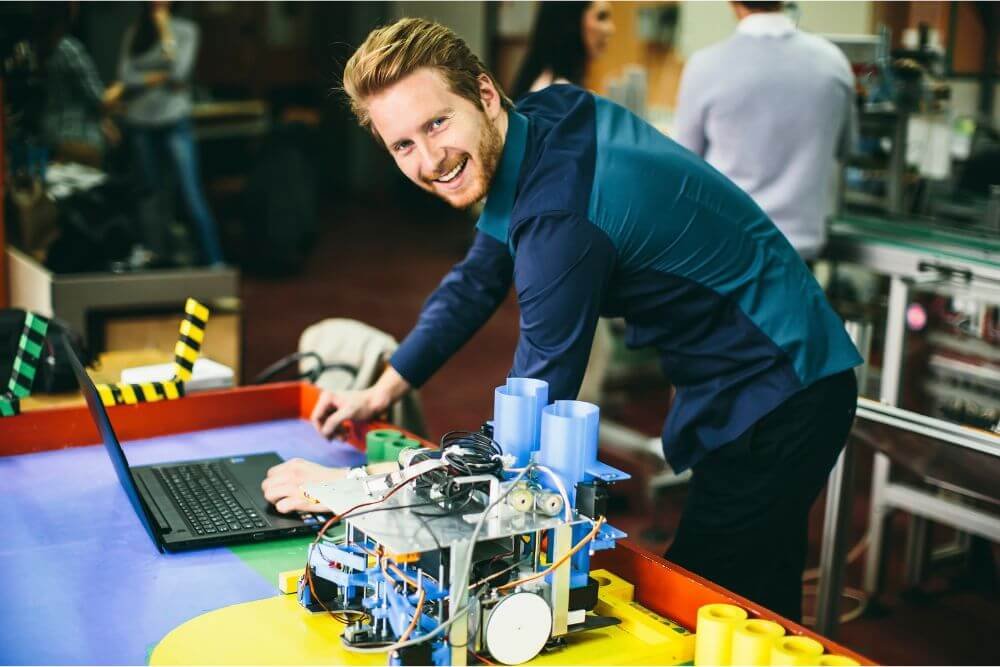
x=660 y=586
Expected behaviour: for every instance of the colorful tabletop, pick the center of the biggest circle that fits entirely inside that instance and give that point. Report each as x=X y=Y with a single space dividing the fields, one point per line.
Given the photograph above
x=84 y=582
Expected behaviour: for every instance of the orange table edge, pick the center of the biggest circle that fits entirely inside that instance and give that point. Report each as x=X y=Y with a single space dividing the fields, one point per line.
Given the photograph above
x=660 y=586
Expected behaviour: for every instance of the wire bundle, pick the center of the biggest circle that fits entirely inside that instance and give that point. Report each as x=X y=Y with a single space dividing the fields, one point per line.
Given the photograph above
x=476 y=453
x=467 y=453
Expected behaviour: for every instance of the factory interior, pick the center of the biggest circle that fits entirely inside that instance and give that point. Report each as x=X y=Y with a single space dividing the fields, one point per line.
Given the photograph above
x=628 y=441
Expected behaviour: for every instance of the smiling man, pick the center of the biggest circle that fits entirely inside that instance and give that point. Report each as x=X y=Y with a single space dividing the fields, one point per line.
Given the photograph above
x=453 y=149
x=590 y=211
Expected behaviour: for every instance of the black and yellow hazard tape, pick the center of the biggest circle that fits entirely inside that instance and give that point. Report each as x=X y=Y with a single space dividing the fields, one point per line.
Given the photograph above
x=192 y=335
x=29 y=350
x=122 y=393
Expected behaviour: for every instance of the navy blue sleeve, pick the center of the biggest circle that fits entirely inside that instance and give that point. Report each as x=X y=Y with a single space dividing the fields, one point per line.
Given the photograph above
x=462 y=303
x=562 y=266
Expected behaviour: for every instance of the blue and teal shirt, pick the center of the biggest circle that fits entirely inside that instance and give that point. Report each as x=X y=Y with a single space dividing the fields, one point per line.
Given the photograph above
x=593 y=212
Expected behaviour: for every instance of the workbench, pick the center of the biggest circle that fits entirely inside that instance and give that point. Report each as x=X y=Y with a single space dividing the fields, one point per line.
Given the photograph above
x=86 y=585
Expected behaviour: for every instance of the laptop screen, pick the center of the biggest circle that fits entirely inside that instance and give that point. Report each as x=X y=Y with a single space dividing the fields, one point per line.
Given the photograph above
x=115 y=451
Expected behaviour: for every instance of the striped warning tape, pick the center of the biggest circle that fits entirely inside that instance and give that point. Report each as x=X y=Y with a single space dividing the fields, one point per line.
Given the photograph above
x=22 y=374
x=122 y=393
x=192 y=335
x=10 y=405
x=29 y=349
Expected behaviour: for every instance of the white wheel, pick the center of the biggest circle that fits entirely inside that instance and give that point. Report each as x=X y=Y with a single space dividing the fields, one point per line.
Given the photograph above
x=518 y=628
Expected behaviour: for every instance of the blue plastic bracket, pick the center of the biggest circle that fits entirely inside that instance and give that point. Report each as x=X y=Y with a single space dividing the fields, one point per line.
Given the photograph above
x=606 y=538
x=605 y=473
x=344 y=557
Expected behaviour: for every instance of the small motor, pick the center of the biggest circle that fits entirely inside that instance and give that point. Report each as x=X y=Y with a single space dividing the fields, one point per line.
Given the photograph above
x=549 y=504
x=522 y=499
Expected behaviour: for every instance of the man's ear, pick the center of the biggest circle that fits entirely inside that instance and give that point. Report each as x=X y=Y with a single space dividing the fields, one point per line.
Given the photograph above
x=489 y=96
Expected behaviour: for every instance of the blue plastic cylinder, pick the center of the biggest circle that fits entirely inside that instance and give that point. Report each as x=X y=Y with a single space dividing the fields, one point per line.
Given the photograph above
x=517 y=416
x=569 y=441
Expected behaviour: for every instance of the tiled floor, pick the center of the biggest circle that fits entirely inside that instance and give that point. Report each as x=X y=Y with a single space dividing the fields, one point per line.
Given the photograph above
x=377 y=265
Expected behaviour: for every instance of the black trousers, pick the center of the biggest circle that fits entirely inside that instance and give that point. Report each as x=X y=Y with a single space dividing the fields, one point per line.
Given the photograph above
x=745 y=522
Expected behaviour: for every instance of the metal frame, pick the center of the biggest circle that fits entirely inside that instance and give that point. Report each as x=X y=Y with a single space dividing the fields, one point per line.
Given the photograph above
x=837 y=513
x=936 y=267
x=458 y=597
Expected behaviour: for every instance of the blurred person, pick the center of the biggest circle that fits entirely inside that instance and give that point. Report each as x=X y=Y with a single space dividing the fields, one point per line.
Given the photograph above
x=75 y=122
x=772 y=108
x=157 y=57
x=590 y=211
x=566 y=38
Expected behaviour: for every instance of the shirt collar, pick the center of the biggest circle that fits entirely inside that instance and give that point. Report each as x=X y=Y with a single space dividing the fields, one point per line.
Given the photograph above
x=500 y=201
x=766 y=24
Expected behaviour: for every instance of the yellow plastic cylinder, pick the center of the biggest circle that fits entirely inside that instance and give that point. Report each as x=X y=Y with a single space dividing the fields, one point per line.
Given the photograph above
x=713 y=641
x=796 y=651
x=834 y=660
x=752 y=641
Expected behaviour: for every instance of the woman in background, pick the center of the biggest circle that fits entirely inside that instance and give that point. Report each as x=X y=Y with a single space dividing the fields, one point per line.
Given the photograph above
x=567 y=37
x=157 y=57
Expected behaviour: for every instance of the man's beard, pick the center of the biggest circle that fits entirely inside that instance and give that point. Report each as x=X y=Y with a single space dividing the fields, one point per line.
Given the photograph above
x=489 y=150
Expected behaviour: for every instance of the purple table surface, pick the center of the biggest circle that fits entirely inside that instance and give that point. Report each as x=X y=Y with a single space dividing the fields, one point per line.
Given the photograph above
x=83 y=583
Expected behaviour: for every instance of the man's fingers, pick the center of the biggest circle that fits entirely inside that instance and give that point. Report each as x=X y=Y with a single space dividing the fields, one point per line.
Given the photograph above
x=286 y=505
x=333 y=421
x=270 y=484
x=285 y=468
x=275 y=471
x=320 y=410
x=276 y=491
x=298 y=504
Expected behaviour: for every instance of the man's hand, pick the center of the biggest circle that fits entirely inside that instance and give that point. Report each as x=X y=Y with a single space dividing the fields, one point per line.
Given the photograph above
x=333 y=408
x=283 y=484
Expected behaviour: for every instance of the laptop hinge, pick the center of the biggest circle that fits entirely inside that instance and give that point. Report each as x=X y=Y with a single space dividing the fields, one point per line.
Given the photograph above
x=162 y=525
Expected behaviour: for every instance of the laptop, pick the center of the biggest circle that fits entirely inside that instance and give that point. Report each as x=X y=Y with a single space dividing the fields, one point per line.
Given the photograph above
x=193 y=504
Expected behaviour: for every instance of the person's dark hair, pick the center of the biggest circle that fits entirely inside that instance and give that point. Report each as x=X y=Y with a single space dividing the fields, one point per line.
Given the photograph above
x=764 y=6
x=556 y=45
x=145 y=35
x=51 y=21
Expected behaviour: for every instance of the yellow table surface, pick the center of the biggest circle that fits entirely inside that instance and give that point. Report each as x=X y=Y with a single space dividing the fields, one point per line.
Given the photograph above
x=278 y=630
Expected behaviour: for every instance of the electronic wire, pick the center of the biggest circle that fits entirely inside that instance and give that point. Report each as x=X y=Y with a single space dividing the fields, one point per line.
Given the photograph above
x=466 y=454
x=562 y=559
x=500 y=573
x=322 y=531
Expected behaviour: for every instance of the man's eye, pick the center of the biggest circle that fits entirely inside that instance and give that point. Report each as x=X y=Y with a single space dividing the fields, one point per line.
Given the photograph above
x=437 y=123
x=402 y=146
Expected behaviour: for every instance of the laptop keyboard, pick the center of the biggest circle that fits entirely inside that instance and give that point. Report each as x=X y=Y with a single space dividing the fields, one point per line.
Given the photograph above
x=207 y=497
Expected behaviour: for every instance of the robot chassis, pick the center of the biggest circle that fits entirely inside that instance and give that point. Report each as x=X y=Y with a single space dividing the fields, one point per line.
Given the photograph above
x=479 y=548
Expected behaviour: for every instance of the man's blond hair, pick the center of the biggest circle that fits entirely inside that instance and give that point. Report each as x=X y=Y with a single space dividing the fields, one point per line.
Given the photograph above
x=393 y=52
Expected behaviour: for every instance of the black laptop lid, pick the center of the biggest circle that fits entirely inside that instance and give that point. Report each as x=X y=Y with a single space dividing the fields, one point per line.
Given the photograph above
x=115 y=451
